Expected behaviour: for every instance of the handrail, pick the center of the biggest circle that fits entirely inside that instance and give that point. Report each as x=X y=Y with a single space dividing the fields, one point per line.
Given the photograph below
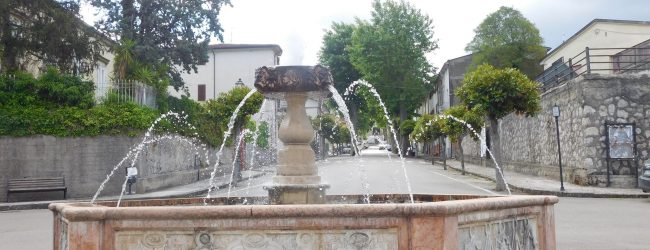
x=622 y=60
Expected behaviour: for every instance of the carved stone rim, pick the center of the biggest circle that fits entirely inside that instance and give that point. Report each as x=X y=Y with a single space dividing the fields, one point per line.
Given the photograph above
x=85 y=212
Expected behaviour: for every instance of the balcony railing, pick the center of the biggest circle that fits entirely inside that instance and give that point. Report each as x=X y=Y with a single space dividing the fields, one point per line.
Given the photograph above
x=127 y=91
x=598 y=60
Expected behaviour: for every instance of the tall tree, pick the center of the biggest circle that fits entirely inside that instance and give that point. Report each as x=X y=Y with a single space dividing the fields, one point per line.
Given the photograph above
x=47 y=33
x=389 y=51
x=164 y=32
x=496 y=93
x=335 y=55
x=506 y=39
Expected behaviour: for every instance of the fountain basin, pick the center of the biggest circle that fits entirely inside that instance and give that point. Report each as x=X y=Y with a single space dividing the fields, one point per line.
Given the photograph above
x=433 y=222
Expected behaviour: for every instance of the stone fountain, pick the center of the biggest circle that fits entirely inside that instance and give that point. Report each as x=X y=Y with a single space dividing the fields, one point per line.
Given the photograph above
x=305 y=218
x=297 y=180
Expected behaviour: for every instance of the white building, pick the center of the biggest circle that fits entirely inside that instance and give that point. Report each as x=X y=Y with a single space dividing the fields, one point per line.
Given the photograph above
x=227 y=65
x=611 y=46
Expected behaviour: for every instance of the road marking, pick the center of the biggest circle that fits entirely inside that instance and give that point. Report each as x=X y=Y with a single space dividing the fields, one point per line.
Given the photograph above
x=464 y=182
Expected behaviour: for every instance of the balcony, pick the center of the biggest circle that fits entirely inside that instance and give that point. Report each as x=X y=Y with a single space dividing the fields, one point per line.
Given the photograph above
x=600 y=61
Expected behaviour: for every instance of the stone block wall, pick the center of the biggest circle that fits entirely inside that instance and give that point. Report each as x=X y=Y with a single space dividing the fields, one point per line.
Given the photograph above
x=86 y=161
x=586 y=104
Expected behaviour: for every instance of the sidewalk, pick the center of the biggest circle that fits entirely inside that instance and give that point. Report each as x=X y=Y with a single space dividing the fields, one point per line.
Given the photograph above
x=545 y=186
x=192 y=189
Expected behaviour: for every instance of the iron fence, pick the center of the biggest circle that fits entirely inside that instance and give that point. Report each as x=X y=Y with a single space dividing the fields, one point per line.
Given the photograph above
x=598 y=60
x=127 y=91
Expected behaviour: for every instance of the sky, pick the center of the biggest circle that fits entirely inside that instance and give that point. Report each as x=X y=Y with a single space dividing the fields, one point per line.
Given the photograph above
x=298 y=25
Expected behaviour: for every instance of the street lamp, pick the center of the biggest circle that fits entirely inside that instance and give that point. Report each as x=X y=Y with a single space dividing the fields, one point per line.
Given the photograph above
x=556 y=114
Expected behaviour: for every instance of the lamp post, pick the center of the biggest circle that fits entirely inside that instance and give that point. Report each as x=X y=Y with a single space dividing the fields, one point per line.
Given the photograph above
x=556 y=114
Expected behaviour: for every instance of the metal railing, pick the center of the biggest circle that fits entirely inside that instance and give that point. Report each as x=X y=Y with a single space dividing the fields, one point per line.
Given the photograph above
x=126 y=91
x=598 y=60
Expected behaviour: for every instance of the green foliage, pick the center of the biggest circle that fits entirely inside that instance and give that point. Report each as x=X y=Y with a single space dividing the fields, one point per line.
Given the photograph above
x=48 y=31
x=498 y=92
x=263 y=135
x=406 y=127
x=113 y=119
x=65 y=89
x=165 y=32
x=62 y=105
x=221 y=109
x=50 y=89
x=336 y=56
x=332 y=128
x=457 y=130
x=427 y=127
x=389 y=51
x=196 y=115
x=506 y=39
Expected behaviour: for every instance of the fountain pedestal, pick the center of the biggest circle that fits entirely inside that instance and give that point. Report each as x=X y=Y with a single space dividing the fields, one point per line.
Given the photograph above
x=297 y=180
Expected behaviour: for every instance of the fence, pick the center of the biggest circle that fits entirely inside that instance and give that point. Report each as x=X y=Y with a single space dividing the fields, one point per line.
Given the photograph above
x=127 y=91
x=599 y=60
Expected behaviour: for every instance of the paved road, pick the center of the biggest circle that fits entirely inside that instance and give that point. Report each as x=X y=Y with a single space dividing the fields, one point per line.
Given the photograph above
x=602 y=224
x=347 y=175
x=26 y=229
x=581 y=223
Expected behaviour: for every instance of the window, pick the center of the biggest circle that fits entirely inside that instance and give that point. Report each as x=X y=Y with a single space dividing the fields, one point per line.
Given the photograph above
x=201 y=95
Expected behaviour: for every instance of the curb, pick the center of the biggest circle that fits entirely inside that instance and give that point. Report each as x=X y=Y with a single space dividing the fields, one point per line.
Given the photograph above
x=556 y=193
x=44 y=204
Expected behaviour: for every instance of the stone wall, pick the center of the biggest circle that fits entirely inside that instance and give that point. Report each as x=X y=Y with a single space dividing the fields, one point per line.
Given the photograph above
x=85 y=162
x=586 y=103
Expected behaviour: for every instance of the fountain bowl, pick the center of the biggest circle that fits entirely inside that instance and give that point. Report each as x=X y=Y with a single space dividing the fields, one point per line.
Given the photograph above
x=432 y=222
x=292 y=79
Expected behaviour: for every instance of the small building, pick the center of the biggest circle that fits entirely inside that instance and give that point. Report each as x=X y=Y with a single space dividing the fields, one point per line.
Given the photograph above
x=602 y=46
x=228 y=65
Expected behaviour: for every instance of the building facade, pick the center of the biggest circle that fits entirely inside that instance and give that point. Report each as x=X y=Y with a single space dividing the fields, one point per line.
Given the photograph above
x=228 y=65
x=443 y=96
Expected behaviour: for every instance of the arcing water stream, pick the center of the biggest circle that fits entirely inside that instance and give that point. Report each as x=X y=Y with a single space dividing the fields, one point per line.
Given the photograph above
x=135 y=152
x=390 y=125
x=226 y=135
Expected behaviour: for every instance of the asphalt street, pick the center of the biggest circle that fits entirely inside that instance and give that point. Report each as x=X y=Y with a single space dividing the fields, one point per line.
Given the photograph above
x=375 y=173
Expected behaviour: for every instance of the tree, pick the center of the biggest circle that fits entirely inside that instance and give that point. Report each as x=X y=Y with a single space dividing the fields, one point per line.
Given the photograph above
x=506 y=39
x=222 y=108
x=389 y=51
x=496 y=93
x=164 y=32
x=332 y=128
x=427 y=128
x=336 y=56
x=456 y=130
x=47 y=33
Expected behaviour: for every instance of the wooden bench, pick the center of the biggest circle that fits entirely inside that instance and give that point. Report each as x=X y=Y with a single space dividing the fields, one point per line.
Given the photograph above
x=25 y=185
